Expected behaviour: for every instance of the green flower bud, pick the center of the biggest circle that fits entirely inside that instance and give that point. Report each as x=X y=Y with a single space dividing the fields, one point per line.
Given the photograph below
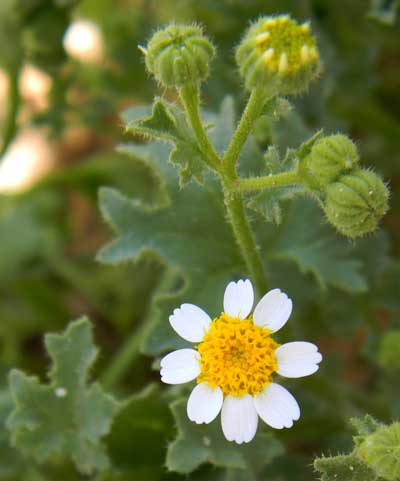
x=279 y=54
x=356 y=202
x=179 y=54
x=380 y=451
x=331 y=157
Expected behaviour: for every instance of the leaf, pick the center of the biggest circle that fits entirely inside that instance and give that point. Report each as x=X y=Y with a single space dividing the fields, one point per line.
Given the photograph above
x=269 y=202
x=375 y=454
x=196 y=445
x=160 y=124
x=343 y=468
x=306 y=240
x=10 y=459
x=167 y=123
x=67 y=417
x=191 y=234
x=305 y=148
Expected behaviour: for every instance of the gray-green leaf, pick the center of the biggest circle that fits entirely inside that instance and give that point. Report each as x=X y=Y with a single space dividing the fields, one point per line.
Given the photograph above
x=69 y=416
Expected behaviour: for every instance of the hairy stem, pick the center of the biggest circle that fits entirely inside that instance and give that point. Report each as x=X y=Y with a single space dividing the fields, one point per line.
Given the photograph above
x=251 y=113
x=268 y=181
x=190 y=98
x=10 y=121
x=228 y=174
x=245 y=239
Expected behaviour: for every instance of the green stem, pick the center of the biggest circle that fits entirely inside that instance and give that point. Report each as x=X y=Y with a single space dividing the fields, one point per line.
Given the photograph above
x=189 y=95
x=228 y=175
x=245 y=239
x=251 y=113
x=10 y=121
x=267 y=181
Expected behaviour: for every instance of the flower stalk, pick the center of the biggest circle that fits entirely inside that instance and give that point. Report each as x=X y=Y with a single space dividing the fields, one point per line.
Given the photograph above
x=252 y=112
x=189 y=95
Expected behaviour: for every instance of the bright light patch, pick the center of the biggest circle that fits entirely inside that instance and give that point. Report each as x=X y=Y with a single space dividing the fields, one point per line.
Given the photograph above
x=35 y=85
x=28 y=158
x=83 y=41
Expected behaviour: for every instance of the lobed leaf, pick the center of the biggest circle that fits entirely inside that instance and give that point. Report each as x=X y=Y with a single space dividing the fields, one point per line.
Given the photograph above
x=167 y=123
x=69 y=416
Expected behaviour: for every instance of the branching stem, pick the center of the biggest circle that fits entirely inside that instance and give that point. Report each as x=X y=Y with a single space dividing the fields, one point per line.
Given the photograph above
x=226 y=168
x=252 y=184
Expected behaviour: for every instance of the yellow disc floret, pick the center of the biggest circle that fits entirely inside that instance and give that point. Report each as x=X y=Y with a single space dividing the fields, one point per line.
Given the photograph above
x=237 y=356
x=280 y=54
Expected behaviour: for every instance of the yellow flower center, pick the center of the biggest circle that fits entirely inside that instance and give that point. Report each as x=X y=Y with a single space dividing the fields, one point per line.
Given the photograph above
x=237 y=356
x=286 y=46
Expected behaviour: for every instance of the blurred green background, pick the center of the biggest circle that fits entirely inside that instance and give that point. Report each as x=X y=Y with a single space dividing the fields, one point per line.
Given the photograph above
x=67 y=70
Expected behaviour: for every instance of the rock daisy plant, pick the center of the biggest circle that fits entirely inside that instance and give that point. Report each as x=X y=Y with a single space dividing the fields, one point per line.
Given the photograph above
x=234 y=360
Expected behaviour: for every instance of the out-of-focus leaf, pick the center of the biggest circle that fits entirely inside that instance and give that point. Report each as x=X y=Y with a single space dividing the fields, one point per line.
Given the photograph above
x=67 y=417
x=196 y=444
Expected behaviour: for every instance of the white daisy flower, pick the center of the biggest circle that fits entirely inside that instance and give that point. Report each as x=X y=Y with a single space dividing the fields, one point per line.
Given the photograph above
x=234 y=360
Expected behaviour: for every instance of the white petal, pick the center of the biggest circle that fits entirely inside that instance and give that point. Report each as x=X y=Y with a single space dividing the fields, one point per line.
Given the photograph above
x=190 y=322
x=239 y=418
x=239 y=299
x=297 y=359
x=273 y=310
x=204 y=403
x=180 y=366
x=277 y=407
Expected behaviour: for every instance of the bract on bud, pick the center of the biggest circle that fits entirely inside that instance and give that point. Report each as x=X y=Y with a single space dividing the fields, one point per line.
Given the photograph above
x=330 y=158
x=279 y=54
x=356 y=202
x=179 y=54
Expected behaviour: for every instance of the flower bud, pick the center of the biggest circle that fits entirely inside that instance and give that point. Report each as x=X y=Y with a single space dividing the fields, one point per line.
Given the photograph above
x=179 y=54
x=356 y=202
x=279 y=54
x=331 y=157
